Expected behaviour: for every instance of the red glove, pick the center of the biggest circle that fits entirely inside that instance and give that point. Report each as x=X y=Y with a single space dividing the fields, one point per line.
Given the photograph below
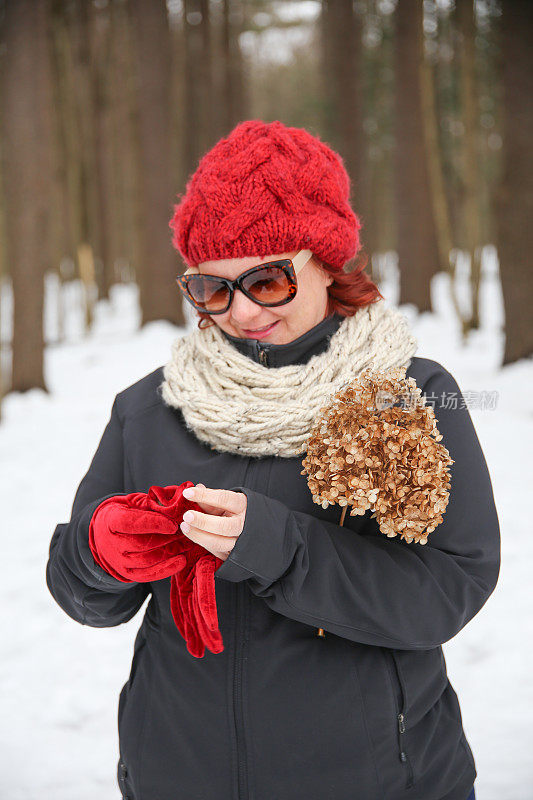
x=136 y=537
x=193 y=601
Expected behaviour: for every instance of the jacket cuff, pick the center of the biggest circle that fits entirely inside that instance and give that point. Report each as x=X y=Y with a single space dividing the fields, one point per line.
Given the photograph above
x=102 y=578
x=262 y=550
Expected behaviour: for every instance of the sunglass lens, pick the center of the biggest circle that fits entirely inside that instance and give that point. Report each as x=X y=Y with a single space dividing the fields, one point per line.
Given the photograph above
x=208 y=293
x=269 y=285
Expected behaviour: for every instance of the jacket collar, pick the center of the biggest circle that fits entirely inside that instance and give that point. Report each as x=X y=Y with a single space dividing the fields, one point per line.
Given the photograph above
x=299 y=351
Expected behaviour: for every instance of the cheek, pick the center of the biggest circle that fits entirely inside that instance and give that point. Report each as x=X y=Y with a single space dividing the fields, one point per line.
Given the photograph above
x=223 y=322
x=311 y=295
x=299 y=305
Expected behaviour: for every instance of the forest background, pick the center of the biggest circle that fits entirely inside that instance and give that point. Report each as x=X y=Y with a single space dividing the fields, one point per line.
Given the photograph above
x=107 y=106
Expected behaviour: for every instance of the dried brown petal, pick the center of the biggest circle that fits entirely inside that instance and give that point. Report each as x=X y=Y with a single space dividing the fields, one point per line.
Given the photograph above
x=388 y=460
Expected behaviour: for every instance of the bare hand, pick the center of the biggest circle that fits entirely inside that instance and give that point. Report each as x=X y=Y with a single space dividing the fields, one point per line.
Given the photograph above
x=222 y=523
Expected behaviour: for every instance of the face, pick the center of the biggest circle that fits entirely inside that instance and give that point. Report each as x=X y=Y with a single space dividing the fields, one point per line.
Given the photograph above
x=306 y=309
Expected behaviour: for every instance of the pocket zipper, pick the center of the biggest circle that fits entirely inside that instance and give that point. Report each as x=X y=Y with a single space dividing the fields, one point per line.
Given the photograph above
x=400 y=718
x=122 y=781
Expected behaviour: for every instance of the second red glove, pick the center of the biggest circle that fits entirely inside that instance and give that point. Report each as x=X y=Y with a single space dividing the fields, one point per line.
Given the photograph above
x=193 y=602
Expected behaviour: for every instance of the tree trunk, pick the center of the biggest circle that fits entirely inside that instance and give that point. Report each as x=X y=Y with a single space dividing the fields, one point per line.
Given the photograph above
x=3 y=260
x=470 y=151
x=179 y=120
x=101 y=67
x=233 y=103
x=341 y=31
x=66 y=137
x=125 y=145
x=514 y=201
x=89 y=245
x=26 y=101
x=375 y=201
x=62 y=244
x=158 y=268
x=73 y=140
x=418 y=255
x=198 y=83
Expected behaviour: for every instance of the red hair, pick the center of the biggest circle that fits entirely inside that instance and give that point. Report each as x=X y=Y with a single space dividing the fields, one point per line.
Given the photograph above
x=348 y=292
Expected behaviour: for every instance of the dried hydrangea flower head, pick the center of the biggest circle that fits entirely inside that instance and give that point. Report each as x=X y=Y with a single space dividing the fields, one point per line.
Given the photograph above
x=376 y=446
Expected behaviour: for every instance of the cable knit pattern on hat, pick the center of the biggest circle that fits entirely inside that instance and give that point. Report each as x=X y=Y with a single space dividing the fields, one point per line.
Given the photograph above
x=266 y=189
x=239 y=406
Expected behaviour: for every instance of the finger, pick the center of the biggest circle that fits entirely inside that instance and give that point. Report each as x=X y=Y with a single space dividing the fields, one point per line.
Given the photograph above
x=180 y=604
x=201 y=626
x=147 y=541
x=223 y=526
x=134 y=521
x=221 y=499
x=220 y=546
x=195 y=645
x=207 y=507
x=150 y=550
x=176 y=606
x=212 y=639
x=163 y=568
x=207 y=623
x=204 y=585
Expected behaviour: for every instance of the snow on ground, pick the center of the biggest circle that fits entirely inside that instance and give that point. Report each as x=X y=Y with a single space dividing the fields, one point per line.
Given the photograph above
x=61 y=680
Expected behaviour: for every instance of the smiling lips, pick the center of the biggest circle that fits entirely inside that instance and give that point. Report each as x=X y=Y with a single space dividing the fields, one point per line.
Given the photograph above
x=256 y=330
x=259 y=331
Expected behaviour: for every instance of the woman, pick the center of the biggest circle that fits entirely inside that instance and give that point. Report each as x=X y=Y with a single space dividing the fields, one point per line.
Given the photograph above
x=271 y=710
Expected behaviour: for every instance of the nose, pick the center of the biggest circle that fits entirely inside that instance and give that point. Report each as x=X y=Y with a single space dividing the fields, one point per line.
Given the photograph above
x=244 y=312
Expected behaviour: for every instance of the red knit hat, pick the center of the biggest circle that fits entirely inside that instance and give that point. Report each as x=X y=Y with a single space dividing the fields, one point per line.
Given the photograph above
x=266 y=189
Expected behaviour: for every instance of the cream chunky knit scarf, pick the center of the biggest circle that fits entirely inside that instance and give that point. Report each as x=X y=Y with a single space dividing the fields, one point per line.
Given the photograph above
x=239 y=406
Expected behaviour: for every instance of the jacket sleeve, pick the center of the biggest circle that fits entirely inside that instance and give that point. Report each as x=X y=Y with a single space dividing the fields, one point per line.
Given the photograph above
x=363 y=586
x=78 y=584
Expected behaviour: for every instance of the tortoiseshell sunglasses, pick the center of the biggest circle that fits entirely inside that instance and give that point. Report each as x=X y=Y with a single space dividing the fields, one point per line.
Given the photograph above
x=271 y=284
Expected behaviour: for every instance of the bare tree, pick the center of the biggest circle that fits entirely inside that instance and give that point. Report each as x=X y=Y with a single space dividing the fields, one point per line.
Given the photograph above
x=418 y=253
x=3 y=257
x=199 y=131
x=341 y=45
x=438 y=190
x=73 y=148
x=87 y=122
x=514 y=201
x=122 y=87
x=158 y=264
x=99 y=33
x=26 y=139
x=470 y=205
x=374 y=200
x=233 y=95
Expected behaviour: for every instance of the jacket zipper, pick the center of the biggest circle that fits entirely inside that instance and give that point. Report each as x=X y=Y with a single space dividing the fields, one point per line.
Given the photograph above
x=400 y=718
x=240 y=662
x=263 y=354
x=242 y=777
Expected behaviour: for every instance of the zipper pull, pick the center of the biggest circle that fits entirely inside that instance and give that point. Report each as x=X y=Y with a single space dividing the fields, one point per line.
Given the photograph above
x=263 y=357
x=403 y=754
x=401 y=728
